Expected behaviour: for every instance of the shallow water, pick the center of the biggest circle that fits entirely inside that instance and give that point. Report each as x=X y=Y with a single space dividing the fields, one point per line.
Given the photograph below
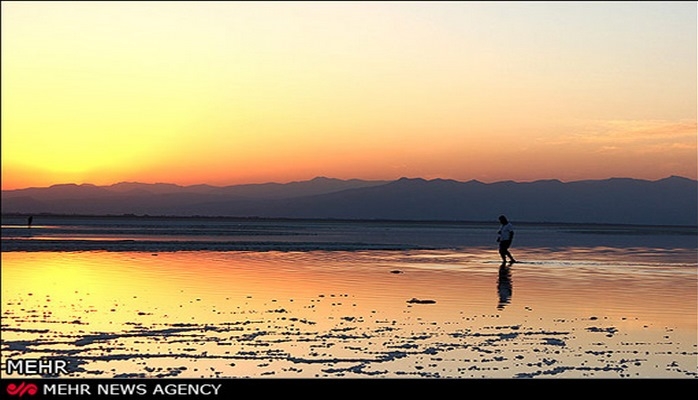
x=563 y=311
x=56 y=233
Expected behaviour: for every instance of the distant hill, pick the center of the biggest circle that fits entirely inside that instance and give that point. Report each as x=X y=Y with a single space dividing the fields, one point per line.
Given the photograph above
x=669 y=201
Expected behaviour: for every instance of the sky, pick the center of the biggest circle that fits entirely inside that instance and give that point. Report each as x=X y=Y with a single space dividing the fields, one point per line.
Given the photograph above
x=226 y=93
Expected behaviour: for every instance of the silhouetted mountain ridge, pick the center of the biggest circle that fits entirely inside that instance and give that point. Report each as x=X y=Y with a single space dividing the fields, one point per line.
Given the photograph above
x=669 y=201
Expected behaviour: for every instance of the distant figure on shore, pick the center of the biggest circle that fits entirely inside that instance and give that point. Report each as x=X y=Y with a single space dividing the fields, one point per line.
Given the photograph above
x=29 y=222
x=506 y=235
x=504 y=286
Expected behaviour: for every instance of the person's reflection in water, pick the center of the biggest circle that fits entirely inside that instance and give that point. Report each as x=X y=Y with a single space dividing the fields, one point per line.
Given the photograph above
x=504 y=287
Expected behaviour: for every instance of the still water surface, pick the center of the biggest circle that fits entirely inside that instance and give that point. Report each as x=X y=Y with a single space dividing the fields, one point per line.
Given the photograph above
x=572 y=312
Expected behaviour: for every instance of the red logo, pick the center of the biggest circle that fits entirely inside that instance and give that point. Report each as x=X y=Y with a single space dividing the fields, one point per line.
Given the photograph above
x=22 y=389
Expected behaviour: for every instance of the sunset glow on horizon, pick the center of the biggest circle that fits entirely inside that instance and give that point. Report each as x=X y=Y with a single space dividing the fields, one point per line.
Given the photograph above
x=225 y=93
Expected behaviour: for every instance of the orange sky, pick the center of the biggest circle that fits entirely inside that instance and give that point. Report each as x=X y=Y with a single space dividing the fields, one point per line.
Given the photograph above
x=235 y=92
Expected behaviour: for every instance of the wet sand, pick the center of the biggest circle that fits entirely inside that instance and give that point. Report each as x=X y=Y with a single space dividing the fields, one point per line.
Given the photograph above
x=569 y=313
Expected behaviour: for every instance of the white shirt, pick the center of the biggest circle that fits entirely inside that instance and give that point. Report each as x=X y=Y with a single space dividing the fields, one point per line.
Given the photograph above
x=506 y=232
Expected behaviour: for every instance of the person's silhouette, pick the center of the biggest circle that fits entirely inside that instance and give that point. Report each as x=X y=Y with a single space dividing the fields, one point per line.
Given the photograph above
x=505 y=237
x=29 y=222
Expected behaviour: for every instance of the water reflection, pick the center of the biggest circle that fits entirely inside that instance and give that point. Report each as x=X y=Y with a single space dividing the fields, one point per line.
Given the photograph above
x=504 y=287
x=343 y=314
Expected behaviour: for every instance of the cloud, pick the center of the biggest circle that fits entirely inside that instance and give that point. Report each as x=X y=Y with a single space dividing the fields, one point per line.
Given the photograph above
x=634 y=131
x=628 y=135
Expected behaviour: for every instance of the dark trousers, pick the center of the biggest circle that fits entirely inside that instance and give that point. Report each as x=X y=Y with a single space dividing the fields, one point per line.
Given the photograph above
x=504 y=249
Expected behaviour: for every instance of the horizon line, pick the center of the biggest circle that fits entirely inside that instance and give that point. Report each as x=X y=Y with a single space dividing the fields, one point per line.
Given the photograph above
x=351 y=179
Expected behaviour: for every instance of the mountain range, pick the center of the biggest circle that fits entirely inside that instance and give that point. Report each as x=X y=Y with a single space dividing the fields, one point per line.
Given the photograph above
x=669 y=201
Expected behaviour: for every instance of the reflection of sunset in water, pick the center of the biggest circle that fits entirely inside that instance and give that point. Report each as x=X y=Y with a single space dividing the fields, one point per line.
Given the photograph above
x=310 y=312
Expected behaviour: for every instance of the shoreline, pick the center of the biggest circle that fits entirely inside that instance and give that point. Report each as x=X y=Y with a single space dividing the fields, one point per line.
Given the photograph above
x=20 y=219
x=233 y=234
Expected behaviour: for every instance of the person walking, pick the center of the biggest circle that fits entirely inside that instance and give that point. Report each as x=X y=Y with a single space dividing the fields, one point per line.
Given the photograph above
x=506 y=235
